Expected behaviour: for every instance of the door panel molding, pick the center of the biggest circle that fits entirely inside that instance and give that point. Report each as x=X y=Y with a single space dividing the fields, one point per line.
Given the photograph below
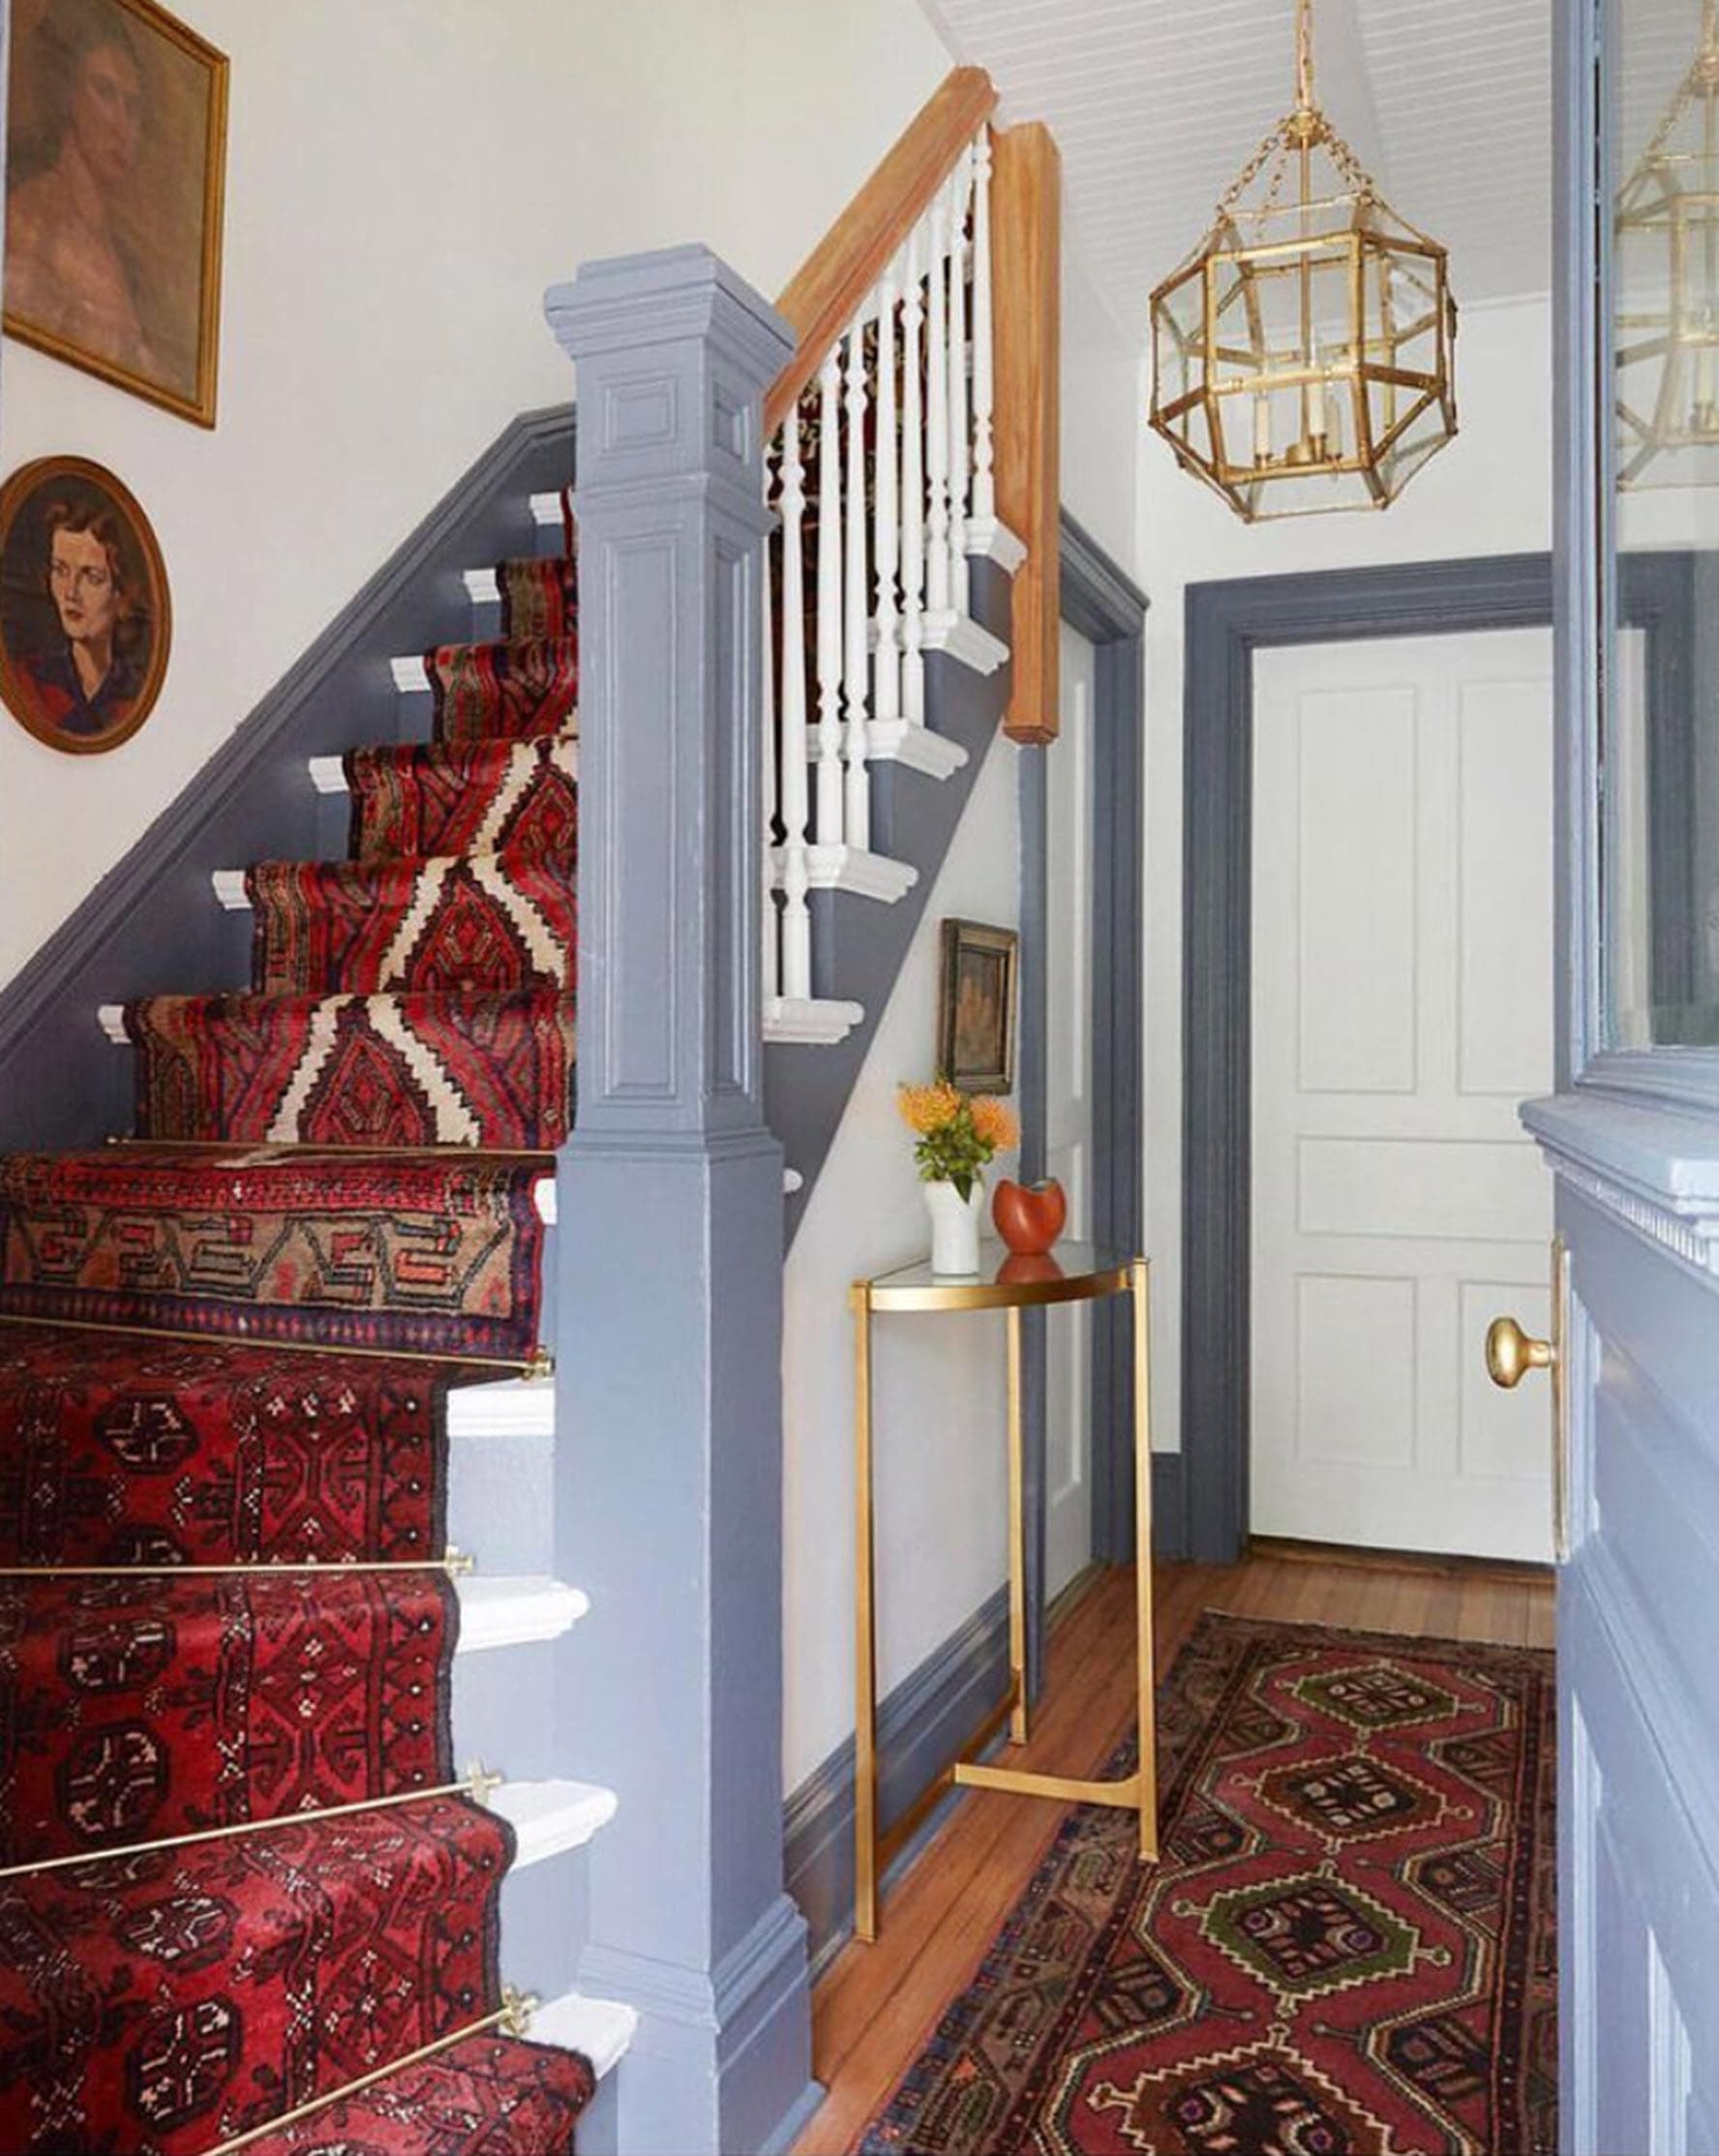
x=1226 y=623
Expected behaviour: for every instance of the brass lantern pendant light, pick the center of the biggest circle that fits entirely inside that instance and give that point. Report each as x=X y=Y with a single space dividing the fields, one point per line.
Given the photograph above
x=1667 y=356
x=1302 y=354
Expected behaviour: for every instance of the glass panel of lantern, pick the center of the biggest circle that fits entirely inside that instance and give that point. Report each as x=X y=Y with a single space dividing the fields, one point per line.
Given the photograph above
x=1178 y=341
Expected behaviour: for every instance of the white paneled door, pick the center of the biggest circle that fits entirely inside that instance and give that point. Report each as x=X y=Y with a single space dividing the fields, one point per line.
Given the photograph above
x=1068 y=1136
x=1403 y=1000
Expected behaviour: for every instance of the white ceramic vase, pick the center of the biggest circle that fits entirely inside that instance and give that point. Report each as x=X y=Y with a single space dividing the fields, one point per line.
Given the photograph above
x=954 y=1228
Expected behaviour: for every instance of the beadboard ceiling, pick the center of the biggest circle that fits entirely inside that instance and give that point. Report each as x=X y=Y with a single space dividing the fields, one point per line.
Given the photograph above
x=1157 y=104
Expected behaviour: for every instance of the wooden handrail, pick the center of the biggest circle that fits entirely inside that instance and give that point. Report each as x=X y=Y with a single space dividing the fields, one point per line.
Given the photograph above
x=1026 y=228
x=829 y=288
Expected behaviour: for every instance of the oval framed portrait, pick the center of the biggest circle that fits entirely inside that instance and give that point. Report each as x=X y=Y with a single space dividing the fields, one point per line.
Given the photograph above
x=86 y=616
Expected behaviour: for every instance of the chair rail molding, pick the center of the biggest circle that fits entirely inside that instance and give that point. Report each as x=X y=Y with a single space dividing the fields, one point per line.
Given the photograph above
x=669 y=1469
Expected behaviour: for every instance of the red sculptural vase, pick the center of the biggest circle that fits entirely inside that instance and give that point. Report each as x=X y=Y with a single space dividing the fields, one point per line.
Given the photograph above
x=1029 y=1218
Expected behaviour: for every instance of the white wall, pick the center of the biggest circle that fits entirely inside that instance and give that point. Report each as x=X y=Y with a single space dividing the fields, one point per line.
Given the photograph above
x=1100 y=410
x=405 y=177
x=938 y=1381
x=1489 y=493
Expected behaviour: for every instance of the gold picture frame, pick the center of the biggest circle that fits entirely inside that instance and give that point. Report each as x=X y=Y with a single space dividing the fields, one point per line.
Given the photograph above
x=86 y=618
x=976 y=999
x=119 y=108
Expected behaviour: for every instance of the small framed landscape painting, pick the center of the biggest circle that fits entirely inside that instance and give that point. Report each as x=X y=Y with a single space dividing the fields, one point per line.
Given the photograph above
x=85 y=617
x=115 y=157
x=976 y=1006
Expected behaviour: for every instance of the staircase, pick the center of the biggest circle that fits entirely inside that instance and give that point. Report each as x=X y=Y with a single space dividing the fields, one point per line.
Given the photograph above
x=289 y=1857
x=251 y=1898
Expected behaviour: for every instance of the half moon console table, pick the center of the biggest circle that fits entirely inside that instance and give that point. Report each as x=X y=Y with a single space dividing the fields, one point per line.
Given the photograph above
x=1071 y=1272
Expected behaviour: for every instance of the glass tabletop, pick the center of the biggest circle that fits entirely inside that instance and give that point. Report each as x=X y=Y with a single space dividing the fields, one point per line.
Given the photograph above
x=1068 y=1273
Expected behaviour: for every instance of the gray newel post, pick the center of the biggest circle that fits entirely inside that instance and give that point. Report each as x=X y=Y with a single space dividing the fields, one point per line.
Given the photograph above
x=668 y=1316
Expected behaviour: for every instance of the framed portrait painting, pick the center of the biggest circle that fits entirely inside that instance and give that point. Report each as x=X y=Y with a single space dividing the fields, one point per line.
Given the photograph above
x=976 y=1006
x=114 y=167
x=86 y=616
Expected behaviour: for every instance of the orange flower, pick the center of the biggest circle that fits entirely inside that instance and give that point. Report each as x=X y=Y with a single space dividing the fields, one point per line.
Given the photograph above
x=928 y=1108
x=994 y=1122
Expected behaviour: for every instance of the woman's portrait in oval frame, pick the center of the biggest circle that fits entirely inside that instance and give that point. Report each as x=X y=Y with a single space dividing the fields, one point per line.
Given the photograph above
x=85 y=615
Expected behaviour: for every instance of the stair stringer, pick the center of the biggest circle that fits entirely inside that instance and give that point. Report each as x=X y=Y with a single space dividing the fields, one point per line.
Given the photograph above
x=150 y=925
x=860 y=946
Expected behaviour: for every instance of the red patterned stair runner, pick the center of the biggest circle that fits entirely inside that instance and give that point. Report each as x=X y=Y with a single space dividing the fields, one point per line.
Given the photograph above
x=509 y=689
x=421 y=992
x=208 y=1702
x=429 y=1253
x=410 y=1069
x=132 y=1451
x=488 y=2096
x=487 y=922
x=170 y=2001
x=491 y=797
x=337 y=1966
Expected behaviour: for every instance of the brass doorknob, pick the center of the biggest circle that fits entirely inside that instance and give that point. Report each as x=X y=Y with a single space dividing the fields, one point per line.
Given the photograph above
x=1511 y=1354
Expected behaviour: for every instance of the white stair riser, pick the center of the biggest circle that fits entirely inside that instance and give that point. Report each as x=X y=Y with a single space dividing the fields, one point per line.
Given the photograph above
x=546 y=1897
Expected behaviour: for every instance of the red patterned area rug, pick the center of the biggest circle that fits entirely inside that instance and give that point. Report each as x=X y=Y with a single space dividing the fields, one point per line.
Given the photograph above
x=1347 y=1949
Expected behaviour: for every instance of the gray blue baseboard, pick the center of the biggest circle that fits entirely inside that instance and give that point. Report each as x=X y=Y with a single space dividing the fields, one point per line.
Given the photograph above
x=922 y=1724
x=1169 y=1506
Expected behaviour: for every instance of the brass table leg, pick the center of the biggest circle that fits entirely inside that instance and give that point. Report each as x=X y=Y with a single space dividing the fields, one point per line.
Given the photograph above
x=1017 y=1535
x=1140 y=1286
x=1135 y=1793
x=865 y=1834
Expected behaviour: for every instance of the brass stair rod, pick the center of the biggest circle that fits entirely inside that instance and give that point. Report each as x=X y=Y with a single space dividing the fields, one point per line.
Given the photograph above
x=538 y=1364
x=513 y=2017
x=454 y=1561
x=249 y=1149
x=478 y=1784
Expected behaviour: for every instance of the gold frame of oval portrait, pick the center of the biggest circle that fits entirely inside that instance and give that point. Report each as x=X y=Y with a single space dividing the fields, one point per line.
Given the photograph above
x=24 y=493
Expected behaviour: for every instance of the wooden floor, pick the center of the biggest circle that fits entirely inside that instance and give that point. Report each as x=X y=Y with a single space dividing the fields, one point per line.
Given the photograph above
x=877 y=2003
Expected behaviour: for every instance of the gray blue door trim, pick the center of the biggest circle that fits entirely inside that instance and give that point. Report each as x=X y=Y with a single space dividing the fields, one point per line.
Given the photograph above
x=1106 y=607
x=1103 y=605
x=1226 y=623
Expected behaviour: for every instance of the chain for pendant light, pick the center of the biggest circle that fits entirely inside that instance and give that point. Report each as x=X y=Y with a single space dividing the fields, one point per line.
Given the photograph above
x=1306 y=125
x=1702 y=81
x=1304 y=101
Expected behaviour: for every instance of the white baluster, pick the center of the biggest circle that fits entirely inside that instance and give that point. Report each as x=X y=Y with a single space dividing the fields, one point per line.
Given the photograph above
x=854 y=653
x=960 y=182
x=829 y=602
x=913 y=487
x=937 y=450
x=771 y=918
x=887 y=524
x=796 y=921
x=984 y=490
